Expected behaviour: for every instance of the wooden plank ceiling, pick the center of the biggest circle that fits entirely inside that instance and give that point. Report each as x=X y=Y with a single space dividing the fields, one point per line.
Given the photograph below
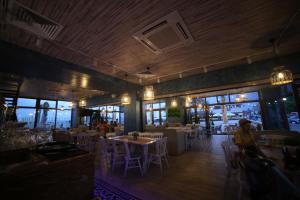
x=98 y=34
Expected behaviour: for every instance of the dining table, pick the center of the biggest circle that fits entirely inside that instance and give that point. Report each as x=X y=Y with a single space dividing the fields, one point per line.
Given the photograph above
x=144 y=142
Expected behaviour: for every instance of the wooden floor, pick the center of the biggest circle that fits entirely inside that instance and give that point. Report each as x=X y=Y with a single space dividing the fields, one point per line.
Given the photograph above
x=197 y=174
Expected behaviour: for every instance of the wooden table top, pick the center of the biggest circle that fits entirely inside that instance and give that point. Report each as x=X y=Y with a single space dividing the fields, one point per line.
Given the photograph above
x=129 y=139
x=274 y=154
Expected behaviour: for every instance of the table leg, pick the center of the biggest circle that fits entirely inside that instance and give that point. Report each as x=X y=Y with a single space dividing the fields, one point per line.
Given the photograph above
x=145 y=159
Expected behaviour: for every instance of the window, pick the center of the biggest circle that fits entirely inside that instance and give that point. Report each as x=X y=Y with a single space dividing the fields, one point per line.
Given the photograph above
x=251 y=96
x=64 y=104
x=223 y=99
x=63 y=119
x=50 y=114
x=24 y=102
x=26 y=115
x=8 y=101
x=110 y=113
x=292 y=114
x=225 y=111
x=211 y=100
x=64 y=114
x=156 y=113
x=47 y=104
x=46 y=118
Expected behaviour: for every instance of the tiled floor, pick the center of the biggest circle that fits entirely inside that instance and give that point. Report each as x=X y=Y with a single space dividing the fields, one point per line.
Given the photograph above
x=197 y=174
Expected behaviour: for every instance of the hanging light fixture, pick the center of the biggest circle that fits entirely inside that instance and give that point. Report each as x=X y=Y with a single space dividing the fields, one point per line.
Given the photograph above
x=125 y=99
x=82 y=103
x=174 y=103
x=148 y=93
x=188 y=99
x=187 y=104
x=280 y=75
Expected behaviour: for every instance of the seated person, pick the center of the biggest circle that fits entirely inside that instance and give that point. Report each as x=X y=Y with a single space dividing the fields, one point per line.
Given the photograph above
x=244 y=138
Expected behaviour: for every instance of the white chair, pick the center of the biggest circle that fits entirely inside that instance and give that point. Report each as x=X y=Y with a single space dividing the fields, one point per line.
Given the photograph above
x=84 y=142
x=191 y=138
x=160 y=154
x=117 y=155
x=131 y=161
x=103 y=155
x=157 y=135
x=230 y=170
x=131 y=133
x=110 y=134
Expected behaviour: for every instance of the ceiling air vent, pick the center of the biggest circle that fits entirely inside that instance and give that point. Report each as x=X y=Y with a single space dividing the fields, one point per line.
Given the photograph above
x=165 y=34
x=29 y=20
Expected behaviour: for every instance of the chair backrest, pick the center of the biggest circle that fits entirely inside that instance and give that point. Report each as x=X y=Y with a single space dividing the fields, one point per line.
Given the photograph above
x=227 y=153
x=161 y=146
x=83 y=139
x=157 y=135
x=130 y=133
x=115 y=147
x=127 y=151
x=102 y=146
x=110 y=134
x=164 y=145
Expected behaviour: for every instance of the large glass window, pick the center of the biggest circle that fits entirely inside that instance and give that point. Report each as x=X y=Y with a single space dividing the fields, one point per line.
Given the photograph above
x=63 y=119
x=156 y=113
x=26 y=115
x=24 y=102
x=47 y=104
x=110 y=113
x=292 y=114
x=50 y=113
x=46 y=118
x=225 y=111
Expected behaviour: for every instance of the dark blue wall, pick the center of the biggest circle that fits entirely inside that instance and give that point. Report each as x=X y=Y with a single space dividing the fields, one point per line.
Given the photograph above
x=228 y=76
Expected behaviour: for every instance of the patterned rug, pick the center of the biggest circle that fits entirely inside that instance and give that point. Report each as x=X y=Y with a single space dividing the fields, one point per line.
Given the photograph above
x=110 y=192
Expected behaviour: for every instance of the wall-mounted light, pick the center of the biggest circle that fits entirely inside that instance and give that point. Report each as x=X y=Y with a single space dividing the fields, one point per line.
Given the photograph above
x=148 y=93
x=62 y=108
x=284 y=99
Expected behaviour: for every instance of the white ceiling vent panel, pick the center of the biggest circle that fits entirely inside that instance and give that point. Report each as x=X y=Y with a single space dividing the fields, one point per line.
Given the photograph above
x=165 y=34
x=27 y=19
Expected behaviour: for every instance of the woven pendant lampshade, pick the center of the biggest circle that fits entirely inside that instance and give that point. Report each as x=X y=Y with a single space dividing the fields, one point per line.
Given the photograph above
x=281 y=76
x=148 y=93
x=125 y=99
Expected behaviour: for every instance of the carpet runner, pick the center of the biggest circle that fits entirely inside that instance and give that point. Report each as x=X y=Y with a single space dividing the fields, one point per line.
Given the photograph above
x=107 y=191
